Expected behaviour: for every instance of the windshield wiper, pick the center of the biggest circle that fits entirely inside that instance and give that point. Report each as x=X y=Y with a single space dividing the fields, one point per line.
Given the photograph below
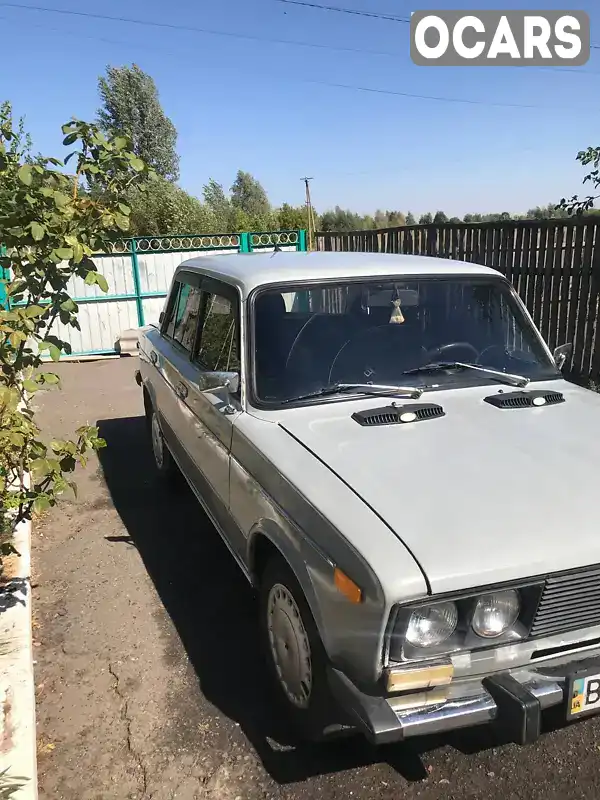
x=504 y=377
x=360 y=388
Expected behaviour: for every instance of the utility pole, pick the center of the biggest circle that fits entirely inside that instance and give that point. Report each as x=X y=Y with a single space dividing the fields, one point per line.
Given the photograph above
x=309 y=214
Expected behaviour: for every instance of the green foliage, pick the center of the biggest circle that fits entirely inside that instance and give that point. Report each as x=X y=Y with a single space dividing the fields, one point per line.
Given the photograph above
x=161 y=207
x=131 y=109
x=344 y=220
x=218 y=202
x=575 y=205
x=292 y=218
x=426 y=219
x=9 y=786
x=51 y=225
x=388 y=219
x=248 y=196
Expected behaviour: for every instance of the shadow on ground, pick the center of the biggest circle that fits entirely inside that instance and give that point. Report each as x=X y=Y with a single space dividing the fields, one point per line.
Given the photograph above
x=213 y=609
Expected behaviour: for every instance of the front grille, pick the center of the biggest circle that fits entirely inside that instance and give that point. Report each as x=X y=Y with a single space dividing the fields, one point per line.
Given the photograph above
x=568 y=602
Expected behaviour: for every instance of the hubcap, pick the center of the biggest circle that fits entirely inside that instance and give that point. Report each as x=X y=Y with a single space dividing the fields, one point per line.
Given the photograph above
x=157 y=442
x=290 y=648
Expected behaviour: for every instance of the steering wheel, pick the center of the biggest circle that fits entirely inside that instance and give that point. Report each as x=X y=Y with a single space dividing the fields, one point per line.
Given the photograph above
x=439 y=353
x=372 y=355
x=294 y=347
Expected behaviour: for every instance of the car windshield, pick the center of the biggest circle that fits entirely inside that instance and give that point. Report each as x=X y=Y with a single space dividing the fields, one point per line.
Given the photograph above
x=421 y=332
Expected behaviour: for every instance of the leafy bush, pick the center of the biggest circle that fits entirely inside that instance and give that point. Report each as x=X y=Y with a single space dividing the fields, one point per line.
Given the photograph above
x=50 y=227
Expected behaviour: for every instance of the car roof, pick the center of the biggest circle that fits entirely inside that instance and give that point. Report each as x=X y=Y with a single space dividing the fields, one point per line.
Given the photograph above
x=249 y=271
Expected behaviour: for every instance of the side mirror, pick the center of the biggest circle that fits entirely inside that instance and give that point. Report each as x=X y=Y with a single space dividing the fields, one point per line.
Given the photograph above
x=232 y=382
x=563 y=354
x=223 y=380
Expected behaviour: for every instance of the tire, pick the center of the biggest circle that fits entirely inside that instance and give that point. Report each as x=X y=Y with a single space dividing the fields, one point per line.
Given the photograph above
x=163 y=460
x=295 y=655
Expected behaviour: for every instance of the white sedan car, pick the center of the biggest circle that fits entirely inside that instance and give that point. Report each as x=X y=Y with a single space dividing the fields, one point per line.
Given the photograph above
x=391 y=454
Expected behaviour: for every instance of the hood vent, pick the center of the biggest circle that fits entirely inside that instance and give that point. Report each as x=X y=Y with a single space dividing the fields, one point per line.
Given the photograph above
x=525 y=399
x=398 y=415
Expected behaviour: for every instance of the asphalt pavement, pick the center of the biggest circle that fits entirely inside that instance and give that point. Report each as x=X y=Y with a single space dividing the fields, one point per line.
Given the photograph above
x=148 y=676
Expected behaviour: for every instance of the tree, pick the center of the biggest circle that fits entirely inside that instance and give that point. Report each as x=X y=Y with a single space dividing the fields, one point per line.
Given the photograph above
x=549 y=211
x=50 y=228
x=440 y=218
x=395 y=219
x=425 y=219
x=220 y=205
x=590 y=156
x=248 y=196
x=161 y=208
x=131 y=108
x=292 y=218
x=454 y=220
x=341 y=220
x=410 y=219
x=473 y=218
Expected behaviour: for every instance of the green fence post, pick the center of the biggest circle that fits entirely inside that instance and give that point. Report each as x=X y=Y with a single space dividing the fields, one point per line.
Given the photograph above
x=3 y=280
x=135 y=268
x=301 y=240
x=244 y=243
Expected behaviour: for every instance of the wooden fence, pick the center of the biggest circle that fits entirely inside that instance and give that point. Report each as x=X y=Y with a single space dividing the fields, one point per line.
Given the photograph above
x=553 y=264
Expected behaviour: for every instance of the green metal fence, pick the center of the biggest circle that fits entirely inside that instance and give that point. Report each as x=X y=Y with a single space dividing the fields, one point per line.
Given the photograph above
x=139 y=271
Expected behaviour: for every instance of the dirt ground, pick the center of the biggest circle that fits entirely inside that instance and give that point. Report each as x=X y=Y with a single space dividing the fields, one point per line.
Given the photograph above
x=149 y=682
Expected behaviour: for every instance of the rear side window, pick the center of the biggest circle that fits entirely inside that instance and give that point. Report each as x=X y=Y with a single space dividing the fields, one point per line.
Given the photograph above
x=184 y=313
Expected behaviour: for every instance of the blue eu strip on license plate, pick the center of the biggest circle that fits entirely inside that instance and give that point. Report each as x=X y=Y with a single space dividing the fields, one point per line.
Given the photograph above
x=583 y=695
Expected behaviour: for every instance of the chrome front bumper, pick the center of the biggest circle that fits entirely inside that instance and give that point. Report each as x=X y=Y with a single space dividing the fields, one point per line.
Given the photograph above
x=513 y=701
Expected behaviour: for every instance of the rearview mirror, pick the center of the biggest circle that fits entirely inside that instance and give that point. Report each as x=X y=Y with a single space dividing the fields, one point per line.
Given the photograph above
x=563 y=354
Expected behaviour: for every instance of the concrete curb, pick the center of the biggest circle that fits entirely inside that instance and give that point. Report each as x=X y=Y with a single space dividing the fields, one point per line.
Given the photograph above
x=18 y=759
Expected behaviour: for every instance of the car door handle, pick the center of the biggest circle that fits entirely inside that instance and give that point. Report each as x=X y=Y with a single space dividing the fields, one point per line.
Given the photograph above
x=153 y=357
x=181 y=390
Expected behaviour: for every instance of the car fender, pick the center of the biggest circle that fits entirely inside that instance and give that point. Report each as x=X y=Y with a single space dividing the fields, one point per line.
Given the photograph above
x=307 y=563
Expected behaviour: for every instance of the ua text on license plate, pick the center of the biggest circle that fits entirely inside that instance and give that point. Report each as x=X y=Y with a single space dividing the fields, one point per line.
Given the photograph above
x=584 y=695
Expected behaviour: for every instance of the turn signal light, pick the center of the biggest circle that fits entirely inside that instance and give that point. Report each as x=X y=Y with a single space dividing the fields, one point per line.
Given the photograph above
x=406 y=680
x=346 y=586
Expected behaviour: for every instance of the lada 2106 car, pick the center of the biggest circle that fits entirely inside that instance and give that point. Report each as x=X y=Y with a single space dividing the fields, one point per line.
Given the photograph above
x=394 y=459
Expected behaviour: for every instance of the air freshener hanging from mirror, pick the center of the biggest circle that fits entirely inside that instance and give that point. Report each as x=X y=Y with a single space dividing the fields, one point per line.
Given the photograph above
x=397 y=317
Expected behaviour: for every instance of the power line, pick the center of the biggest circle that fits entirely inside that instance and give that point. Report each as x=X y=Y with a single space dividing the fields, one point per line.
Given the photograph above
x=355 y=12
x=334 y=85
x=372 y=14
x=351 y=87
x=195 y=29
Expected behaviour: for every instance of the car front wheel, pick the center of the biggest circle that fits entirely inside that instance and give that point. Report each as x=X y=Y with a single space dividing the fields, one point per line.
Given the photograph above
x=294 y=652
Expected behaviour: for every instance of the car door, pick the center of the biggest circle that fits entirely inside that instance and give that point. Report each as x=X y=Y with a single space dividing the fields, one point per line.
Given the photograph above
x=172 y=357
x=208 y=406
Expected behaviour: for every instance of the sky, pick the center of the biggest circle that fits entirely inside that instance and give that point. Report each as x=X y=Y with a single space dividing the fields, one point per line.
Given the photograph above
x=244 y=94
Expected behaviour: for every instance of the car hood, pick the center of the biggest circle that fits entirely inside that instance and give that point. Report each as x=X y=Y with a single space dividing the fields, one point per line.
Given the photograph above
x=481 y=495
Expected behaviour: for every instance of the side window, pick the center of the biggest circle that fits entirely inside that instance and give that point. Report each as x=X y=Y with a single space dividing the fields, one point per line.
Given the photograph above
x=171 y=310
x=183 y=312
x=186 y=318
x=218 y=346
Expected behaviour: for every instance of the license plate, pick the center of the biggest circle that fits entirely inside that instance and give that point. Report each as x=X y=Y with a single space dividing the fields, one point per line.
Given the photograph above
x=584 y=695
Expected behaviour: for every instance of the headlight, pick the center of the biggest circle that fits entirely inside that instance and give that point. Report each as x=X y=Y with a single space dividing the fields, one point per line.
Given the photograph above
x=495 y=613
x=431 y=625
